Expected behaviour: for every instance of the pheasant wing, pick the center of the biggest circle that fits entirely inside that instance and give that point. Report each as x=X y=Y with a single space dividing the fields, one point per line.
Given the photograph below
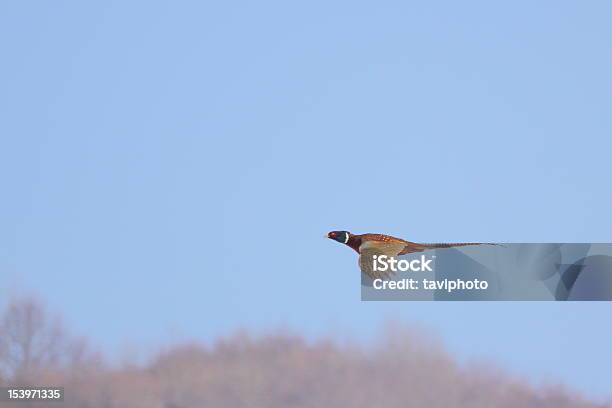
x=369 y=249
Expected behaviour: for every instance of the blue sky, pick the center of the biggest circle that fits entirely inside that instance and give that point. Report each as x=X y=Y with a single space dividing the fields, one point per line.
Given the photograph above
x=169 y=168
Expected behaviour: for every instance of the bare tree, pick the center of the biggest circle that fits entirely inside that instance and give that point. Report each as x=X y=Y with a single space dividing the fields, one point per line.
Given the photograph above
x=30 y=341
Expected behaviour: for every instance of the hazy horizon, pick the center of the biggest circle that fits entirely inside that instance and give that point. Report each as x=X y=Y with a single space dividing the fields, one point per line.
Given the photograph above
x=404 y=365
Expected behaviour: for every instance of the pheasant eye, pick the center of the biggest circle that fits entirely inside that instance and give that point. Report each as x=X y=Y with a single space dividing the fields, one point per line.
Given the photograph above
x=332 y=234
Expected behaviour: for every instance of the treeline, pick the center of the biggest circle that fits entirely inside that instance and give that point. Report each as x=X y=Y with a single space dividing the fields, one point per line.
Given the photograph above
x=277 y=371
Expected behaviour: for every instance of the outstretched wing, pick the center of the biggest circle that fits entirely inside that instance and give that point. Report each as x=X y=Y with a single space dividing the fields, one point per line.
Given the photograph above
x=369 y=249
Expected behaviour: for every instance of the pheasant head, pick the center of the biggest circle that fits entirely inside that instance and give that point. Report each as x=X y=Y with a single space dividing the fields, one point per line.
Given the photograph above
x=340 y=236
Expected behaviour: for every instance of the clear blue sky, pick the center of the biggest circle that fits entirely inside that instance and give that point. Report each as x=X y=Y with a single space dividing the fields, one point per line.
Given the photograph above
x=155 y=157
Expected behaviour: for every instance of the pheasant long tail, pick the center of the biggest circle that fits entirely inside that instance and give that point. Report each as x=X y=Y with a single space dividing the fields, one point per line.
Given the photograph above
x=414 y=247
x=452 y=245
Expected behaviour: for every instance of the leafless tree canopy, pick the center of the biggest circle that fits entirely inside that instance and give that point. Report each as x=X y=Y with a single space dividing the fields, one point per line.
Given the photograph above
x=281 y=370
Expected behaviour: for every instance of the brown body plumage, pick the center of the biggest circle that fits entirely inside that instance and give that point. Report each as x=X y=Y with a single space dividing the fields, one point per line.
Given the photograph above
x=368 y=245
x=355 y=242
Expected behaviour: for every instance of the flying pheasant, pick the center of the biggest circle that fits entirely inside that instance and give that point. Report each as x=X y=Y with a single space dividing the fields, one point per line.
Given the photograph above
x=368 y=245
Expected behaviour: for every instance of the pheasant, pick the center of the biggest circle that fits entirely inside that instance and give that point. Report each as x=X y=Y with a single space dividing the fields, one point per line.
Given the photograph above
x=368 y=245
